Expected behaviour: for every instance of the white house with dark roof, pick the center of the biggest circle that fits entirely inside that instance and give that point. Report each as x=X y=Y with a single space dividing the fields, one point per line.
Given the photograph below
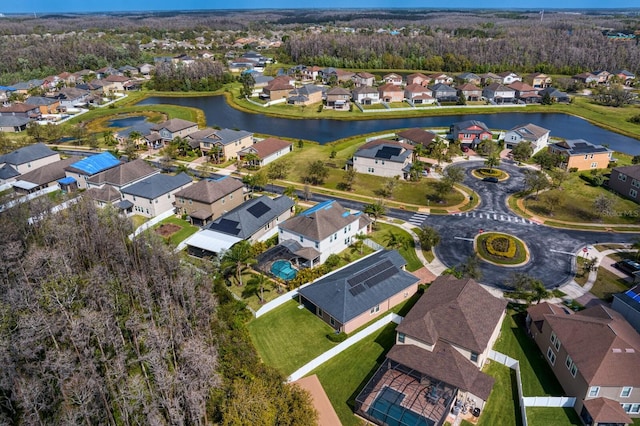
x=255 y=220
x=222 y=144
x=176 y=127
x=499 y=93
x=328 y=228
x=537 y=136
x=155 y=194
x=382 y=157
x=366 y=95
x=266 y=150
x=29 y=157
x=366 y=289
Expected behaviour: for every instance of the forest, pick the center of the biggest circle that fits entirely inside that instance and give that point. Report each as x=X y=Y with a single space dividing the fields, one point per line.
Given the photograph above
x=97 y=329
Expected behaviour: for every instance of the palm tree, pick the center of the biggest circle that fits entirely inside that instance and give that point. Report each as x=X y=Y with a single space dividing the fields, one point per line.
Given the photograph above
x=359 y=241
x=236 y=259
x=257 y=283
x=375 y=210
x=428 y=237
x=394 y=240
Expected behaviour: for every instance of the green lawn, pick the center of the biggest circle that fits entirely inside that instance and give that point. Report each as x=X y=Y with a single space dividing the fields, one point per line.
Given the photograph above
x=537 y=377
x=607 y=284
x=543 y=416
x=344 y=376
x=381 y=236
x=138 y=220
x=502 y=407
x=185 y=231
x=288 y=337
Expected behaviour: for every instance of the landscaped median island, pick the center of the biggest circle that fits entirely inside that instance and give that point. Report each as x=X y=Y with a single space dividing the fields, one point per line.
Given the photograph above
x=501 y=249
x=485 y=172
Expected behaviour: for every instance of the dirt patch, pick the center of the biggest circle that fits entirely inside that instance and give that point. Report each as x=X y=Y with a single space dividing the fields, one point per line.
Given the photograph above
x=168 y=229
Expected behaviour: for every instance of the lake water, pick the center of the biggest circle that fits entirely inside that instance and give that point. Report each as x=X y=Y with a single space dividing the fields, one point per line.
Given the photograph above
x=219 y=113
x=128 y=121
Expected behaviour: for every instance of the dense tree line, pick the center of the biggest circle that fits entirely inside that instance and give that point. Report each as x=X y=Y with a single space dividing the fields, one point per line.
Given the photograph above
x=201 y=75
x=98 y=329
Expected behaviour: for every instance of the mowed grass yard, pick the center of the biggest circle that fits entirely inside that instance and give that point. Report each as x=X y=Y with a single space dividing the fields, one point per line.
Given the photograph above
x=382 y=236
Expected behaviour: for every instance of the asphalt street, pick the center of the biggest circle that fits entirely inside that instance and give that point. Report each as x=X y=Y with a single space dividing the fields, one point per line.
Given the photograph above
x=551 y=250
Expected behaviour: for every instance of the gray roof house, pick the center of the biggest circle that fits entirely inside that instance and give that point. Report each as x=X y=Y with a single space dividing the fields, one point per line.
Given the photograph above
x=15 y=124
x=383 y=157
x=30 y=157
x=254 y=220
x=444 y=93
x=154 y=195
x=122 y=175
x=354 y=295
x=43 y=177
x=628 y=304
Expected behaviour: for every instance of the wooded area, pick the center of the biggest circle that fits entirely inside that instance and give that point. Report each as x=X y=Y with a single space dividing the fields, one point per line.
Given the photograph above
x=98 y=329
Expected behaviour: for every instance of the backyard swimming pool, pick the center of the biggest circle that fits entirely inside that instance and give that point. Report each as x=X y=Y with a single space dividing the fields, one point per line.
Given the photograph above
x=284 y=270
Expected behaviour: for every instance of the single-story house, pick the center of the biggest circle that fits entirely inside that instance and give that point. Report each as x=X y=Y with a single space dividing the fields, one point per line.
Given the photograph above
x=254 y=220
x=108 y=195
x=46 y=105
x=509 y=77
x=594 y=354
x=29 y=157
x=469 y=77
x=440 y=78
x=13 y=124
x=382 y=157
x=305 y=95
x=266 y=150
x=537 y=136
x=626 y=77
x=585 y=78
x=22 y=110
x=441 y=347
x=555 y=94
x=84 y=169
x=417 y=137
x=324 y=229
x=8 y=175
x=625 y=180
x=361 y=291
x=488 y=78
x=209 y=199
x=581 y=154
x=155 y=194
x=72 y=97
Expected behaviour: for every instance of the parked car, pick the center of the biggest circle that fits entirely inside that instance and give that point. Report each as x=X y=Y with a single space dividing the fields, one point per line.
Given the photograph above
x=628 y=266
x=465 y=149
x=490 y=179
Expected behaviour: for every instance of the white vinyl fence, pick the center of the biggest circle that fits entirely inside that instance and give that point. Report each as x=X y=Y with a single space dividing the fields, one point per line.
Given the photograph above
x=514 y=365
x=148 y=224
x=549 y=401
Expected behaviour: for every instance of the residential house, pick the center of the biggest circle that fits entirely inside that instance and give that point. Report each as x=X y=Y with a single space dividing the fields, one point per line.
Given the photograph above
x=266 y=151
x=441 y=347
x=154 y=195
x=30 y=157
x=42 y=177
x=393 y=78
x=555 y=95
x=470 y=132
x=117 y=83
x=366 y=95
x=418 y=78
x=310 y=73
x=338 y=98
x=278 y=88
x=537 y=136
x=499 y=93
x=581 y=154
x=122 y=174
x=84 y=169
x=13 y=124
x=22 y=110
x=586 y=78
x=146 y=70
x=128 y=70
x=254 y=220
x=45 y=105
x=306 y=95
x=628 y=305
x=8 y=175
x=594 y=354
x=488 y=78
x=24 y=87
x=209 y=199
x=222 y=144
x=175 y=128
x=624 y=76
x=602 y=76
x=324 y=229
x=382 y=157
x=538 y=80
x=469 y=91
x=67 y=78
x=260 y=82
x=440 y=78
x=417 y=137
x=509 y=77
x=625 y=180
x=525 y=92
x=361 y=291
x=107 y=195
x=469 y=77
x=105 y=72
x=363 y=79
x=95 y=87
x=390 y=92
x=333 y=75
x=72 y=97
x=418 y=94
x=444 y=93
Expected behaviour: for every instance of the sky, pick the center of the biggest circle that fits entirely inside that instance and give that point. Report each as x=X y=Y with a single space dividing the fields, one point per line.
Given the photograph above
x=85 y=6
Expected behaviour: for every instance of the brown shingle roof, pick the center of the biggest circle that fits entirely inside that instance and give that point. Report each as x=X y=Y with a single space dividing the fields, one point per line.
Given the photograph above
x=418 y=136
x=632 y=171
x=458 y=311
x=605 y=410
x=207 y=191
x=124 y=174
x=389 y=87
x=18 y=107
x=376 y=142
x=268 y=146
x=521 y=86
x=530 y=131
x=468 y=87
x=174 y=125
x=321 y=223
x=107 y=194
x=49 y=172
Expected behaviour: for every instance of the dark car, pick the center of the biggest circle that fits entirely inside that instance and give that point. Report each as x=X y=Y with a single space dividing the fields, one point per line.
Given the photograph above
x=490 y=179
x=628 y=266
x=465 y=149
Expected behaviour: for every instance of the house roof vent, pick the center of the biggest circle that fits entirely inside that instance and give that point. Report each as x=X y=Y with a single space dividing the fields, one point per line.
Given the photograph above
x=629 y=350
x=616 y=350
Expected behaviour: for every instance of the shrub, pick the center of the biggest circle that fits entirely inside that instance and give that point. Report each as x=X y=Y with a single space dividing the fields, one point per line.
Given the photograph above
x=337 y=337
x=501 y=246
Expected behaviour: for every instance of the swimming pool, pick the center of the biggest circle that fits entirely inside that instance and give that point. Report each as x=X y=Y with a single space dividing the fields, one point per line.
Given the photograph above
x=284 y=270
x=387 y=408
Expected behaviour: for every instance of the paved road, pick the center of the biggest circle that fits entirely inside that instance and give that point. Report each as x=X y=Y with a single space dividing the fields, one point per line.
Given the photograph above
x=551 y=249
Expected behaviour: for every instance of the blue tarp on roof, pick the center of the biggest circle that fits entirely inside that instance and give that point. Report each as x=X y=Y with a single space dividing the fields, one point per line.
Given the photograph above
x=67 y=180
x=96 y=163
x=7 y=88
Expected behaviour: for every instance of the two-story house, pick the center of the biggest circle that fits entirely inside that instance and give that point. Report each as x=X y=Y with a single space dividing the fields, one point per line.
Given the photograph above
x=470 y=132
x=537 y=136
x=366 y=95
x=30 y=157
x=469 y=91
x=418 y=78
x=222 y=144
x=22 y=110
x=441 y=346
x=328 y=228
x=174 y=128
x=625 y=180
x=418 y=94
x=508 y=77
x=310 y=73
x=337 y=98
x=209 y=199
x=444 y=93
x=469 y=77
x=440 y=78
x=393 y=78
x=594 y=354
x=154 y=195
x=626 y=77
x=525 y=92
x=538 y=80
x=390 y=92
x=383 y=157
x=278 y=88
x=363 y=79
x=581 y=154
x=88 y=167
x=499 y=93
